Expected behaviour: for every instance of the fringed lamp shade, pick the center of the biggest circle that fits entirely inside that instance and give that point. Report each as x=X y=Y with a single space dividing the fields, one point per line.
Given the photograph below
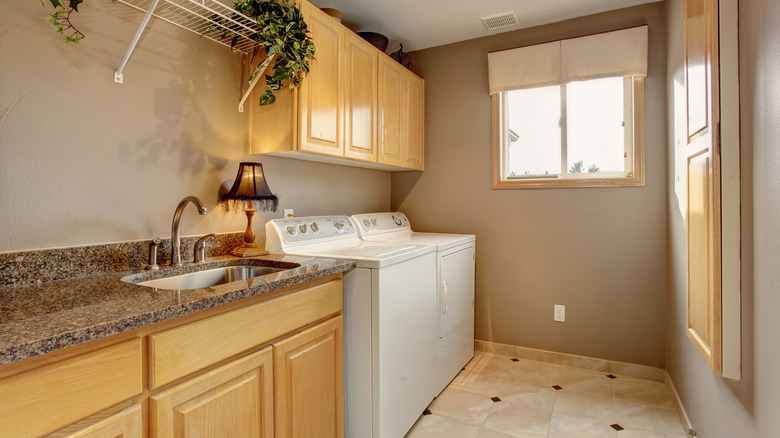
x=250 y=186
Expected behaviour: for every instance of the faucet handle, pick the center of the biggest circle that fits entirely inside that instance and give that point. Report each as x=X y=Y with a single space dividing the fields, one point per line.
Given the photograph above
x=152 y=262
x=200 y=248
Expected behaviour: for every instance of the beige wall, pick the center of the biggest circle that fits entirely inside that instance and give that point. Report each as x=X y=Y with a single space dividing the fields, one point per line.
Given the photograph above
x=599 y=251
x=84 y=160
x=720 y=407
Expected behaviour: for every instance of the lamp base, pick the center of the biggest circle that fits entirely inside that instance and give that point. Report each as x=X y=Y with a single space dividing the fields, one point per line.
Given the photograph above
x=249 y=251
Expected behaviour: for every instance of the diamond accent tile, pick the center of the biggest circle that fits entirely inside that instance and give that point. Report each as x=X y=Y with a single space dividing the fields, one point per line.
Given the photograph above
x=616 y=426
x=557 y=387
x=495 y=399
x=427 y=412
x=514 y=359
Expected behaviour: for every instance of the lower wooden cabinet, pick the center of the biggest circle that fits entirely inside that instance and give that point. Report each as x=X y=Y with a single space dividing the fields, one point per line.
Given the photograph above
x=232 y=400
x=309 y=383
x=286 y=382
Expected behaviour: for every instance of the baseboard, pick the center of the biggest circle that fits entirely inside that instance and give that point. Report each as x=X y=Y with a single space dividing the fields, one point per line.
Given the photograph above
x=572 y=360
x=678 y=403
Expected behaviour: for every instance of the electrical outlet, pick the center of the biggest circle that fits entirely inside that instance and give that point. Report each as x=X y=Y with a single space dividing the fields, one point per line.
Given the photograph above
x=288 y=212
x=559 y=313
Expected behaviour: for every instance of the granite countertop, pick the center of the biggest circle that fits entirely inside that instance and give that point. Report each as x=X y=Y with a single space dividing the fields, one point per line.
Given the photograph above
x=43 y=318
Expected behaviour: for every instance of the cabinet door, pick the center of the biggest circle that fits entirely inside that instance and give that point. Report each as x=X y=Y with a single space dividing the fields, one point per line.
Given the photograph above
x=322 y=92
x=127 y=423
x=412 y=127
x=391 y=90
x=309 y=382
x=233 y=400
x=361 y=100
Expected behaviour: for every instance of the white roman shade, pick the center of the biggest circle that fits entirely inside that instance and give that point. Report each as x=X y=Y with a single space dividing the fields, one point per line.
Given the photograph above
x=610 y=54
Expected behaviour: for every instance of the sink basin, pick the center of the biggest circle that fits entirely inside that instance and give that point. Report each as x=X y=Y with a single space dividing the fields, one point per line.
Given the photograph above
x=210 y=277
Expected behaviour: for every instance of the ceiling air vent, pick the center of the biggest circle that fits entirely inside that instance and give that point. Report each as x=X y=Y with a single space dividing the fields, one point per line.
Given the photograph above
x=496 y=21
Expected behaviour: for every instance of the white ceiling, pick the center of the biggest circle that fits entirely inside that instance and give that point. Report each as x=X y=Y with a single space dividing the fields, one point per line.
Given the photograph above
x=420 y=24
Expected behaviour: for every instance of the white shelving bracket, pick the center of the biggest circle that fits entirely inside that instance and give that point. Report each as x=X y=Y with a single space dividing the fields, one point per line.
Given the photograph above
x=260 y=74
x=118 y=77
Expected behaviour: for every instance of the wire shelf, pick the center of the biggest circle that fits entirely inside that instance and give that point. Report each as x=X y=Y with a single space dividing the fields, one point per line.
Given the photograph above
x=198 y=16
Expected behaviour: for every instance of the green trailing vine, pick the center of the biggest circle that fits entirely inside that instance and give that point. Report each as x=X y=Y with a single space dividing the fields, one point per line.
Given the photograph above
x=60 y=18
x=283 y=33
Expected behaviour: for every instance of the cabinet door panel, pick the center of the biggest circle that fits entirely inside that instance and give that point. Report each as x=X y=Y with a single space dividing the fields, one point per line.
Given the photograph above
x=322 y=92
x=413 y=126
x=361 y=100
x=390 y=107
x=234 y=400
x=309 y=382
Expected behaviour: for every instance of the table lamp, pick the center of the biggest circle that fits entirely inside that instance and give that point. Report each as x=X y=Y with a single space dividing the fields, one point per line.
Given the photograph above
x=250 y=186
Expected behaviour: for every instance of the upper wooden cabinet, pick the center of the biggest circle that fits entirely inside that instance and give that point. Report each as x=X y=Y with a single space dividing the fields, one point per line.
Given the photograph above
x=354 y=102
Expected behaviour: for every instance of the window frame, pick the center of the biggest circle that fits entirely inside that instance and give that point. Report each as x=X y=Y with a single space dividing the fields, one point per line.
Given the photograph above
x=637 y=153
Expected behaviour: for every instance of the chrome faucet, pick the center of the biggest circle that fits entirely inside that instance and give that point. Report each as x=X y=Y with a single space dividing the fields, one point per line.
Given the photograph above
x=176 y=227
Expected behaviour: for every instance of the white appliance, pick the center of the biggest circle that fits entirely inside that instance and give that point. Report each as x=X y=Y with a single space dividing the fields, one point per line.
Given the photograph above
x=389 y=334
x=455 y=265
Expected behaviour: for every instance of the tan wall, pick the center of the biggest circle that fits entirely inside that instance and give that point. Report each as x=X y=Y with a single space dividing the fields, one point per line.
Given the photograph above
x=84 y=160
x=598 y=251
x=722 y=408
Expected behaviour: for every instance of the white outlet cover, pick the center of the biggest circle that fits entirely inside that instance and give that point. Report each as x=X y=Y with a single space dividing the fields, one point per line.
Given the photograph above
x=559 y=313
x=288 y=212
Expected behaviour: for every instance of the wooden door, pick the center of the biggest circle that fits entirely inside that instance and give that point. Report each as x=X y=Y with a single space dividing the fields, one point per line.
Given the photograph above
x=391 y=90
x=321 y=94
x=234 y=400
x=413 y=114
x=309 y=381
x=360 y=100
x=703 y=180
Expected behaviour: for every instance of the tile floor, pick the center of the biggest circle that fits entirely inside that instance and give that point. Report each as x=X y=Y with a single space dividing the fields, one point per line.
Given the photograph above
x=503 y=397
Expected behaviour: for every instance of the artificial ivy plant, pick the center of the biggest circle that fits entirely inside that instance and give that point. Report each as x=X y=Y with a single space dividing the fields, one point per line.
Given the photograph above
x=282 y=32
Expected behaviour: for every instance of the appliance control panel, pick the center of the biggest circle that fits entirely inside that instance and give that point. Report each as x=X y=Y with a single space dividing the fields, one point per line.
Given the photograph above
x=314 y=228
x=377 y=223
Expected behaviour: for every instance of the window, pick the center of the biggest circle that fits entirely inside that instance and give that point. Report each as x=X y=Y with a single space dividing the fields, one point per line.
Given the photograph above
x=557 y=123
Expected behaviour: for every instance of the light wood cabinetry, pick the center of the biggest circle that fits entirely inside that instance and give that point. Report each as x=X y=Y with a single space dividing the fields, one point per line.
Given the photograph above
x=400 y=116
x=308 y=372
x=241 y=370
x=336 y=116
x=233 y=400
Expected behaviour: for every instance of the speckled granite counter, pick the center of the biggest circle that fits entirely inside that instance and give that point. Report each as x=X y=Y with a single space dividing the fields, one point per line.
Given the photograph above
x=43 y=318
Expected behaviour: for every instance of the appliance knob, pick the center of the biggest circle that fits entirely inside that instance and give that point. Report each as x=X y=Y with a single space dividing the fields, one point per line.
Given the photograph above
x=373 y=222
x=314 y=227
x=290 y=230
x=303 y=229
x=366 y=222
x=338 y=225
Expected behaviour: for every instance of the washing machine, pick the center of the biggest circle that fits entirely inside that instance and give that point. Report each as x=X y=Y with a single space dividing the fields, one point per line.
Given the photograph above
x=455 y=266
x=390 y=338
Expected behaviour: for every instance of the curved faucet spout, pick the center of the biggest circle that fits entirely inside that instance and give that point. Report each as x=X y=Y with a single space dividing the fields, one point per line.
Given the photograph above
x=176 y=227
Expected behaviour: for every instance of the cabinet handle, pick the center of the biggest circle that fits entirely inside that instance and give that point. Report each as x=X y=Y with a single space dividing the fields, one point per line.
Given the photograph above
x=444 y=293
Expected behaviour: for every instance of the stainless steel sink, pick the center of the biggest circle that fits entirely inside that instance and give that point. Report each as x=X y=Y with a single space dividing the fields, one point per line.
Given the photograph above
x=210 y=277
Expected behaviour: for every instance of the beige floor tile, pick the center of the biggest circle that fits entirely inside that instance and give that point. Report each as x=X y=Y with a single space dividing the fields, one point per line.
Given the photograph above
x=485 y=384
x=588 y=382
x=565 y=427
x=639 y=433
x=531 y=371
x=464 y=406
x=529 y=395
x=643 y=391
x=513 y=419
x=493 y=364
x=435 y=426
x=634 y=417
x=486 y=433
x=584 y=406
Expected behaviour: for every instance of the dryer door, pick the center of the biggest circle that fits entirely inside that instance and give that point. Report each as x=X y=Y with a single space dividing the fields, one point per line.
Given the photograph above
x=456 y=289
